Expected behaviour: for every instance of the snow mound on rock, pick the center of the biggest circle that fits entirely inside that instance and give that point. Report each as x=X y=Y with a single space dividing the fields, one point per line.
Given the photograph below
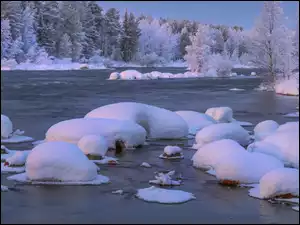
x=221 y=114
x=287 y=87
x=93 y=145
x=114 y=76
x=18 y=158
x=165 y=196
x=6 y=127
x=131 y=75
x=220 y=131
x=59 y=161
x=158 y=122
x=9 y=169
x=277 y=182
x=265 y=128
x=207 y=156
x=73 y=130
x=195 y=120
x=4 y=188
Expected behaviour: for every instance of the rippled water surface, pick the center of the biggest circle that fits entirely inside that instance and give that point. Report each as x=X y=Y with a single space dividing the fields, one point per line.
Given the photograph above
x=36 y=100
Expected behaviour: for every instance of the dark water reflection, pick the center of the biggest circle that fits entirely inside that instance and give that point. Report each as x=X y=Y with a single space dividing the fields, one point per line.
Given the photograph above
x=36 y=100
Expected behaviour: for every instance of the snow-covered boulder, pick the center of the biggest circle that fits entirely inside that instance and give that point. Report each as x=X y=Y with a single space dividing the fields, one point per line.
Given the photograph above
x=207 y=156
x=220 y=131
x=165 y=196
x=59 y=162
x=4 y=188
x=221 y=114
x=172 y=152
x=282 y=182
x=265 y=128
x=18 y=158
x=112 y=130
x=289 y=126
x=266 y=148
x=93 y=145
x=158 y=122
x=131 y=75
x=165 y=179
x=253 y=74
x=287 y=87
x=6 y=127
x=287 y=143
x=195 y=120
x=114 y=76
x=245 y=168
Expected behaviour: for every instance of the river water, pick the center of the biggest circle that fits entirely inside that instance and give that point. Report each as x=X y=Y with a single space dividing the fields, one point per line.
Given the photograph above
x=38 y=99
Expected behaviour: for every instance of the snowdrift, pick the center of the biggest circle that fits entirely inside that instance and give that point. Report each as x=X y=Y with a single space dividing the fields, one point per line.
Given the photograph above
x=158 y=122
x=73 y=130
x=265 y=128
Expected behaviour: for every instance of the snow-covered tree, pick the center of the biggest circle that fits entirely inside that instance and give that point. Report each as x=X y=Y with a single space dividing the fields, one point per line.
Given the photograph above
x=6 y=40
x=199 y=51
x=184 y=41
x=65 y=46
x=268 y=35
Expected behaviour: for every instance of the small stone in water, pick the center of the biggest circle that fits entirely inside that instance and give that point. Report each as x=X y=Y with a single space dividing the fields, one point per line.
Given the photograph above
x=145 y=164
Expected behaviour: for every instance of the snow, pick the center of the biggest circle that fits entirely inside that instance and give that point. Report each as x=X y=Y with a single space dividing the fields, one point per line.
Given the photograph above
x=146 y=165
x=18 y=158
x=4 y=188
x=6 y=127
x=158 y=122
x=220 y=114
x=22 y=177
x=287 y=87
x=277 y=182
x=130 y=75
x=289 y=126
x=245 y=168
x=243 y=123
x=294 y=114
x=222 y=131
x=10 y=153
x=164 y=196
x=170 y=152
x=207 y=156
x=59 y=161
x=195 y=120
x=165 y=179
x=106 y=160
x=9 y=169
x=15 y=139
x=253 y=74
x=236 y=89
x=265 y=128
x=287 y=142
x=93 y=145
x=114 y=76
x=119 y=192
x=266 y=148
x=73 y=130
x=296 y=208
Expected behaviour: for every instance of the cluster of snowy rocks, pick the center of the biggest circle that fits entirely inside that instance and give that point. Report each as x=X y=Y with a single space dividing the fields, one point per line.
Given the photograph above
x=268 y=160
x=136 y=75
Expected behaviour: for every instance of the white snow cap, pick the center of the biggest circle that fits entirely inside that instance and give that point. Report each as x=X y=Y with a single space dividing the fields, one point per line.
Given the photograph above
x=221 y=114
x=4 y=188
x=73 y=130
x=195 y=120
x=59 y=161
x=93 y=145
x=246 y=168
x=207 y=156
x=170 y=150
x=265 y=128
x=289 y=126
x=220 y=131
x=158 y=122
x=288 y=87
x=160 y=195
x=6 y=127
x=145 y=164
x=277 y=182
x=114 y=76
x=18 y=158
x=130 y=75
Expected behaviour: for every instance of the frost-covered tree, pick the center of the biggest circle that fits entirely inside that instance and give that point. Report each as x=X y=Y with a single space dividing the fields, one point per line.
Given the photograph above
x=65 y=46
x=268 y=35
x=184 y=41
x=6 y=40
x=14 y=12
x=112 y=31
x=199 y=51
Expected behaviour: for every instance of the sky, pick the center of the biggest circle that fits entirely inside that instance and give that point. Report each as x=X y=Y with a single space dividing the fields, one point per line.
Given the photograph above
x=240 y=13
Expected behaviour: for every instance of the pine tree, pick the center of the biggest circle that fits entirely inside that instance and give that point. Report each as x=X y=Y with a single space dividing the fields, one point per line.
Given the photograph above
x=65 y=46
x=6 y=40
x=184 y=41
